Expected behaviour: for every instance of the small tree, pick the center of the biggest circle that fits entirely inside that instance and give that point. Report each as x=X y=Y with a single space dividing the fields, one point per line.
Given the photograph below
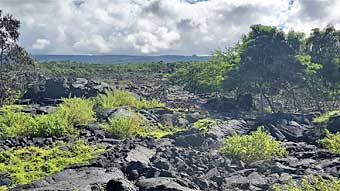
x=10 y=51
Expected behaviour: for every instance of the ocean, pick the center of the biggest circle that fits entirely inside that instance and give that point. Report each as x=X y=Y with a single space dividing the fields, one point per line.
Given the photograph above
x=118 y=59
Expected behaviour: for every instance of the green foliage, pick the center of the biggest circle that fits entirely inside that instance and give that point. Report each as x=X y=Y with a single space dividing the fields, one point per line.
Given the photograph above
x=331 y=142
x=201 y=77
x=119 y=98
x=73 y=112
x=3 y=188
x=326 y=116
x=32 y=163
x=312 y=183
x=13 y=108
x=21 y=124
x=61 y=69
x=204 y=124
x=123 y=126
x=77 y=111
x=257 y=146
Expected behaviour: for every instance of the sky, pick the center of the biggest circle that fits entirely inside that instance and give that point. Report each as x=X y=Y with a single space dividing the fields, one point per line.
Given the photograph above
x=157 y=27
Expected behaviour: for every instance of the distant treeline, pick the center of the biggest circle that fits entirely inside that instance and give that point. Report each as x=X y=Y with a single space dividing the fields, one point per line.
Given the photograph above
x=283 y=70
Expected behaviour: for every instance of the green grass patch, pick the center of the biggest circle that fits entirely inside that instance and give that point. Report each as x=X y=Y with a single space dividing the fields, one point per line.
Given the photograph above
x=122 y=126
x=331 y=142
x=73 y=112
x=120 y=98
x=13 y=108
x=326 y=116
x=28 y=164
x=204 y=124
x=259 y=145
x=312 y=183
x=77 y=111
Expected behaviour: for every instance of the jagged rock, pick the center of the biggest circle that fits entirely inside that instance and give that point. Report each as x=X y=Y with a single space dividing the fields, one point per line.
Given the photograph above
x=120 y=185
x=5 y=179
x=140 y=154
x=188 y=138
x=161 y=184
x=74 y=179
x=334 y=124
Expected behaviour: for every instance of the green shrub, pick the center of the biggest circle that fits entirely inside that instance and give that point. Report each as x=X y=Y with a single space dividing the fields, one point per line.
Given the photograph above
x=257 y=146
x=13 y=108
x=22 y=124
x=15 y=124
x=204 y=124
x=74 y=111
x=331 y=142
x=77 y=111
x=124 y=126
x=33 y=163
x=119 y=98
x=312 y=183
x=326 y=116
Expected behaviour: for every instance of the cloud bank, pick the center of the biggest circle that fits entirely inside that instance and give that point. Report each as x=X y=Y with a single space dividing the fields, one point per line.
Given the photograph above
x=157 y=26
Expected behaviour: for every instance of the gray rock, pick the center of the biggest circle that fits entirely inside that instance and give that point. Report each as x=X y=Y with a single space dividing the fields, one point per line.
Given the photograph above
x=140 y=154
x=161 y=184
x=74 y=179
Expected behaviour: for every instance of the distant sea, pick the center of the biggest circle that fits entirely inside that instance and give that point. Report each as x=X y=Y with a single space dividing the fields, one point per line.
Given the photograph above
x=118 y=59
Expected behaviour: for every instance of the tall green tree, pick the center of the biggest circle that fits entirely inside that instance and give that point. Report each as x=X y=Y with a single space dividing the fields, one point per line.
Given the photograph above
x=267 y=64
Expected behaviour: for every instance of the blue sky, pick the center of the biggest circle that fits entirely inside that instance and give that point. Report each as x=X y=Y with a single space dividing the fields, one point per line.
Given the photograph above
x=153 y=27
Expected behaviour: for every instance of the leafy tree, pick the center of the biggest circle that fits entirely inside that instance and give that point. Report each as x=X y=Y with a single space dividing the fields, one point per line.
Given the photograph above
x=10 y=51
x=323 y=47
x=267 y=63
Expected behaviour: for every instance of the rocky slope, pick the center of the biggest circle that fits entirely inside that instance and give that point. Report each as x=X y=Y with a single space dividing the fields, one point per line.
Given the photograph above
x=187 y=160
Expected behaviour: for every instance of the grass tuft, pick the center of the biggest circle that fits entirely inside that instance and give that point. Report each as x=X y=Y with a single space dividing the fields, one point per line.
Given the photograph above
x=249 y=148
x=120 y=98
x=31 y=163
x=326 y=116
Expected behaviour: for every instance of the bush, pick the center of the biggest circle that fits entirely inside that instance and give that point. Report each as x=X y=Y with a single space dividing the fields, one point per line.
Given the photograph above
x=257 y=146
x=77 y=111
x=204 y=124
x=15 y=124
x=119 y=98
x=326 y=116
x=124 y=126
x=74 y=111
x=32 y=163
x=331 y=142
x=312 y=183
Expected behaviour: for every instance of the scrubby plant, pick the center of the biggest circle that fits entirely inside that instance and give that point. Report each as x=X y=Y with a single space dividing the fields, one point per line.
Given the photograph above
x=259 y=145
x=312 y=183
x=77 y=111
x=13 y=108
x=331 y=142
x=33 y=163
x=73 y=112
x=326 y=116
x=204 y=124
x=123 y=126
x=119 y=98
x=15 y=124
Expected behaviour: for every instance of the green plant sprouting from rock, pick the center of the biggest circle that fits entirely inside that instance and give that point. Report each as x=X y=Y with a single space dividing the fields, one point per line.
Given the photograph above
x=311 y=183
x=257 y=146
x=32 y=163
x=119 y=98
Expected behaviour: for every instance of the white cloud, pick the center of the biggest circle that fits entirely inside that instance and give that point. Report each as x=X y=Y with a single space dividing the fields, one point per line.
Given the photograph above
x=41 y=44
x=157 y=26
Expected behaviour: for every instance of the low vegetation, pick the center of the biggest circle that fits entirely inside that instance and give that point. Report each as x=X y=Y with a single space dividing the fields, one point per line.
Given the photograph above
x=326 y=116
x=119 y=98
x=204 y=124
x=259 y=145
x=123 y=126
x=331 y=142
x=77 y=111
x=73 y=112
x=312 y=183
x=32 y=163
